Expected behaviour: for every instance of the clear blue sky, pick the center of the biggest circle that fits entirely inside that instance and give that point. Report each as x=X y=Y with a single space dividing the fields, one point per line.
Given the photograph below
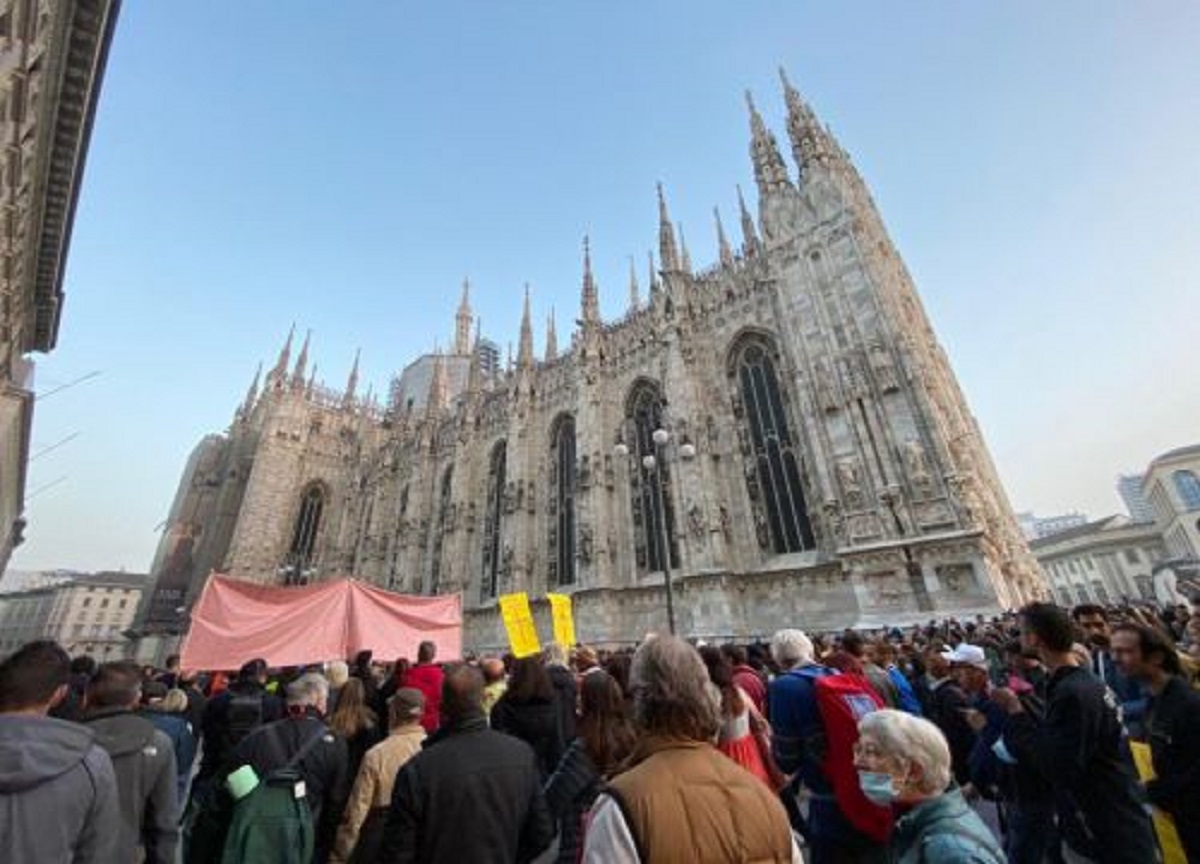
x=344 y=165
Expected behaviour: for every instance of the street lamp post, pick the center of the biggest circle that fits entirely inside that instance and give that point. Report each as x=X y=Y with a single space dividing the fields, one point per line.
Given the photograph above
x=651 y=463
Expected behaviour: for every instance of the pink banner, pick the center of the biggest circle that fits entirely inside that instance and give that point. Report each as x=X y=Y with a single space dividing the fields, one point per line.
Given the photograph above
x=236 y=621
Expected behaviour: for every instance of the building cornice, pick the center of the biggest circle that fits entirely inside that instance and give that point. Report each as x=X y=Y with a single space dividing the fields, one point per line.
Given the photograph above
x=67 y=124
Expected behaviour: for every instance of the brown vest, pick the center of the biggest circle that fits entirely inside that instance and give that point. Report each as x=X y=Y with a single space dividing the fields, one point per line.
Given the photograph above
x=687 y=803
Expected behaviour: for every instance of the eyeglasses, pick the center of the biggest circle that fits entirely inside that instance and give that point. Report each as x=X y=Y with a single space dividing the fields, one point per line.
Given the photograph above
x=867 y=750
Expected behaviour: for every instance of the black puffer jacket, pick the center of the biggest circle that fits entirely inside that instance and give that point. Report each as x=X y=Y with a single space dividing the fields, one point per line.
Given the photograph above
x=472 y=795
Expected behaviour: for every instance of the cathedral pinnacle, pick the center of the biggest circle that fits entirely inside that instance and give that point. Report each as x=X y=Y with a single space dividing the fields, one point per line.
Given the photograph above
x=525 y=348
x=438 y=399
x=591 y=296
x=252 y=393
x=474 y=368
x=666 y=236
x=749 y=234
x=352 y=383
x=723 y=248
x=280 y=371
x=769 y=171
x=551 y=337
x=635 y=292
x=811 y=144
x=462 y=321
x=652 y=275
x=301 y=362
x=685 y=260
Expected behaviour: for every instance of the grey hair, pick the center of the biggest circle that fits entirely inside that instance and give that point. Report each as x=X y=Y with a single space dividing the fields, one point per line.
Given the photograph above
x=903 y=738
x=338 y=672
x=555 y=654
x=670 y=687
x=790 y=647
x=308 y=689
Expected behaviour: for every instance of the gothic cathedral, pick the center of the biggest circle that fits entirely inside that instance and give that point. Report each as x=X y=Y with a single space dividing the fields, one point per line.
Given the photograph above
x=781 y=433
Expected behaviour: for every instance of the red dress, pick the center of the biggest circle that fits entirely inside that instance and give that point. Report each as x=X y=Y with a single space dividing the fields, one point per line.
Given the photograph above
x=736 y=741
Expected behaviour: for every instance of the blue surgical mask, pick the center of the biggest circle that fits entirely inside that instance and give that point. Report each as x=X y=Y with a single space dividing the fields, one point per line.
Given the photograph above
x=879 y=788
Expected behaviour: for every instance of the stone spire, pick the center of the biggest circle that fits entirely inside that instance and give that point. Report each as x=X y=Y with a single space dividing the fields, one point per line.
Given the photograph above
x=438 y=397
x=551 y=337
x=352 y=383
x=685 y=260
x=280 y=370
x=749 y=234
x=525 y=349
x=252 y=392
x=811 y=144
x=312 y=381
x=635 y=291
x=769 y=171
x=591 y=297
x=462 y=321
x=667 y=252
x=301 y=362
x=653 y=275
x=723 y=248
x=474 y=368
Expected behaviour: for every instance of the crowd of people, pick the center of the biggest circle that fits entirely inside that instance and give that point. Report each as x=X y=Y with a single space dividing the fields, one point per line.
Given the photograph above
x=985 y=740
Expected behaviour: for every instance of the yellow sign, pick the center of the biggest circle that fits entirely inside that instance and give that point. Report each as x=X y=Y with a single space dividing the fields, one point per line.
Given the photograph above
x=518 y=621
x=564 y=619
x=1164 y=825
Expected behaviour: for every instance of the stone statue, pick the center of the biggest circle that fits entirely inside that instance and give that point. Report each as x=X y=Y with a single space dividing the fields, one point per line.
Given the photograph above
x=509 y=497
x=585 y=543
x=726 y=523
x=883 y=368
x=826 y=387
x=584 y=476
x=915 y=462
x=696 y=521
x=850 y=477
x=761 y=532
x=530 y=497
x=712 y=433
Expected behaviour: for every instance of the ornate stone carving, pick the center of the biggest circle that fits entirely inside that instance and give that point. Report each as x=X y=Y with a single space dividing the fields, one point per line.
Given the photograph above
x=530 y=497
x=586 y=541
x=584 y=473
x=610 y=477
x=509 y=497
x=883 y=368
x=849 y=476
x=696 y=526
x=725 y=522
x=915 y=462
x=828 y=397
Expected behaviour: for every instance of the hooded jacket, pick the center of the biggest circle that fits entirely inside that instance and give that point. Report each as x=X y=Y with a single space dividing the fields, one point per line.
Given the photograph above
x=144 y=763
x=58 y=793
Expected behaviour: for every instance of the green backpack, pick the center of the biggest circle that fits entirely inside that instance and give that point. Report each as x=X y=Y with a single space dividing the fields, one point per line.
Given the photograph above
x=273 y=824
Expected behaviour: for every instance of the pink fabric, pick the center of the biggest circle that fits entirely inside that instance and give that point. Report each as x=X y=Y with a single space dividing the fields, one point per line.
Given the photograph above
x=236 y=621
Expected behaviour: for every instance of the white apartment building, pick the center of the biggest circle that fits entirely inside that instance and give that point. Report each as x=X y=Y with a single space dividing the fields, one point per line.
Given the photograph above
x=1101 y=562
x=1172 y=485
x=86 y=615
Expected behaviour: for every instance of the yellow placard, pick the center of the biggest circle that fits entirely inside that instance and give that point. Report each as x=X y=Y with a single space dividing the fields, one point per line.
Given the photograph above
x=518 y=621
x=1164 y=825
x=564 y=619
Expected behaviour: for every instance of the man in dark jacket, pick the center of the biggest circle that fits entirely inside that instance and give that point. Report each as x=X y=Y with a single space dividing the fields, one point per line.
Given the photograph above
x=1172 y=724
x=947 y=708
x=1078 y=746
x=231 y=716
x=58 y=792
x=566 y=692
x=471 y=795
x=325 y=768
x=142 y=760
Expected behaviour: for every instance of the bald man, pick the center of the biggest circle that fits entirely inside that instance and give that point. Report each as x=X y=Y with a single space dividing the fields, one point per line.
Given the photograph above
x=495 y=682
x=472 y=794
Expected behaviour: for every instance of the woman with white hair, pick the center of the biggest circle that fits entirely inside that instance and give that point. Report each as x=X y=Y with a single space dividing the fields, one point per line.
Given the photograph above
x=904 y=762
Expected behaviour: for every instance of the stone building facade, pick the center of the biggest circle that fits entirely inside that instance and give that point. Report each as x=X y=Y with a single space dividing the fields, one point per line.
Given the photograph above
x=1105 y=561
x=818 y=463
x=86 y=614
x=52 y=57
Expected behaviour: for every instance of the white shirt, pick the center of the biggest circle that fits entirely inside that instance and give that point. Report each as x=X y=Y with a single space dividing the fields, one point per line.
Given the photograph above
x=609 y=841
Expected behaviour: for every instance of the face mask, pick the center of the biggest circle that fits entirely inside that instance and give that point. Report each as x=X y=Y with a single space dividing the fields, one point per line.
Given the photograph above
x=877 y=787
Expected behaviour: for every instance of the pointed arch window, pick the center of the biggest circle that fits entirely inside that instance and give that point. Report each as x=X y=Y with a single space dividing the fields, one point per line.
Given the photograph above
x=653 y=504
x=773 y=475
x=562 y=502
x=1187 y=485
x=497 y=468
x=302 y=550
x=435 y=568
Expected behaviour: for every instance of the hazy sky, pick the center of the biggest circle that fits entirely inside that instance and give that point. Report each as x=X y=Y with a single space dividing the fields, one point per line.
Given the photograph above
x=344 y=165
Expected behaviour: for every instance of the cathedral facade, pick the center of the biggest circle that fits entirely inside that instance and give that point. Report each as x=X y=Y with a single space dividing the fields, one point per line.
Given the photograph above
x=780 y=435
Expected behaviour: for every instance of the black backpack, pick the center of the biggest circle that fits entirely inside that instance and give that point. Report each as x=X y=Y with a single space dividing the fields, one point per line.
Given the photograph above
x=245 y=715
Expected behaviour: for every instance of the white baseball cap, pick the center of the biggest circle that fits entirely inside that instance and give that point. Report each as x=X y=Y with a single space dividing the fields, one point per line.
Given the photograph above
x=968 y=655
